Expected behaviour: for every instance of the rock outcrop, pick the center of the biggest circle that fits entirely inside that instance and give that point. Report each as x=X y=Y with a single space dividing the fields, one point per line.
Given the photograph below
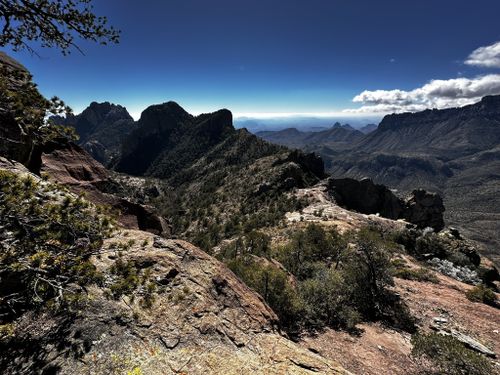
x=70 y=165
x=421 y=208
x=424 y=209
x=366 y=197
x=200 y=318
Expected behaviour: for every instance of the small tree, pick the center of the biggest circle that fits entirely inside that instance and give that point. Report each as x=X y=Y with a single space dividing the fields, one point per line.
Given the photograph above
x=53 y=23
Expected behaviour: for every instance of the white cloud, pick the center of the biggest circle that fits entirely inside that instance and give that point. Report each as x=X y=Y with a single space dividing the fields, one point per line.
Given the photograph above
x=437 y=93
x=488 y=56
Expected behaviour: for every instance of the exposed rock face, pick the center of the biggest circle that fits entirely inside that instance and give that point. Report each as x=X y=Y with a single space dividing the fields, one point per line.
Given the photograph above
x=310 y=161
x=204 y=320
x=424 y=209
x=70 y=165
x=366 y=197
x=168 y=139
x=421 y=208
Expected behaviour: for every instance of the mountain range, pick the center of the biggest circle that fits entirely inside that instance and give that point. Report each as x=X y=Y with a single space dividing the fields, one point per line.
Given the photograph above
x=455 y=152
x=204 y=249
x=337 y=136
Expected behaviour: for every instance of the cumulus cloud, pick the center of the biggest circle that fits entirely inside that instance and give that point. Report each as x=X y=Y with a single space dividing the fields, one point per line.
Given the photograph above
x=437 y=93
x=488 y=56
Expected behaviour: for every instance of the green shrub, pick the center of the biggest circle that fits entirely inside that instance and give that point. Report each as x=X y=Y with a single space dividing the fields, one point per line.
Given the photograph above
x=368 y=271
x=49 y=236
x=254 y=243
x=482 y=293
x=273 y=285
x=310 y=246
x=334 y=285
x=447 y=355
x=327 y=301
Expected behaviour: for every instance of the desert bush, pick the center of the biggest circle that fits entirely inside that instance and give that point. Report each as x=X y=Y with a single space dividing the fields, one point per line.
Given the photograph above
x=327 y=301
x=311 y=246
x=254 y=243
x=440 y=354
x=333 y=285
x=481 y=293
x=368 y=270
x=273 y=285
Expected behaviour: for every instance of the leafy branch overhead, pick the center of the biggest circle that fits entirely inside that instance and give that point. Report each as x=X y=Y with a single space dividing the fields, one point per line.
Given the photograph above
x=52 y=23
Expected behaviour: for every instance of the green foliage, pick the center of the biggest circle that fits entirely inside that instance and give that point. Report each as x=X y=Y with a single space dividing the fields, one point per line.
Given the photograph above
x=447 y=355
x=312 y=247
x=272 y=284
x=48 y=237
x=481 y=293
x=327 y=301
x=129 y=280
x=369 y=271
x=332 y=284
x=254 y=243
x=53 y=23
x=22 y=103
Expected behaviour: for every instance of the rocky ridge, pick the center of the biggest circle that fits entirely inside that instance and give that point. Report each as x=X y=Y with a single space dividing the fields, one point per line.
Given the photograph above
x=203 y=320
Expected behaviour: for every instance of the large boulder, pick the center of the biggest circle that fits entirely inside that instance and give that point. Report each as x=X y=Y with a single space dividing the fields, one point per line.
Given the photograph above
x=421 y=208
x=424 y=209
x=365 y=196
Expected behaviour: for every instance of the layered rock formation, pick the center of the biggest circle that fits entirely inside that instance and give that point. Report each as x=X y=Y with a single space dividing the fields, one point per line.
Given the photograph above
x=71 y=166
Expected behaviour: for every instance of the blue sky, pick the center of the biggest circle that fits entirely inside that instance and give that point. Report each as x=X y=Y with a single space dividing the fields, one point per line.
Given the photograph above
x=256 y=57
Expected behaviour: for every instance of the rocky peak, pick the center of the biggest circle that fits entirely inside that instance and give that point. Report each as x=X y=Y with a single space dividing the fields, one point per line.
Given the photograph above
x=98 y=115
x=490 y=103
x=163 y=115
x=107 y=110
x=216 y=125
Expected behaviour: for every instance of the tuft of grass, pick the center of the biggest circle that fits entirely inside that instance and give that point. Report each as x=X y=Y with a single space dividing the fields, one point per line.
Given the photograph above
x=419 y=274
x=447 y=355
